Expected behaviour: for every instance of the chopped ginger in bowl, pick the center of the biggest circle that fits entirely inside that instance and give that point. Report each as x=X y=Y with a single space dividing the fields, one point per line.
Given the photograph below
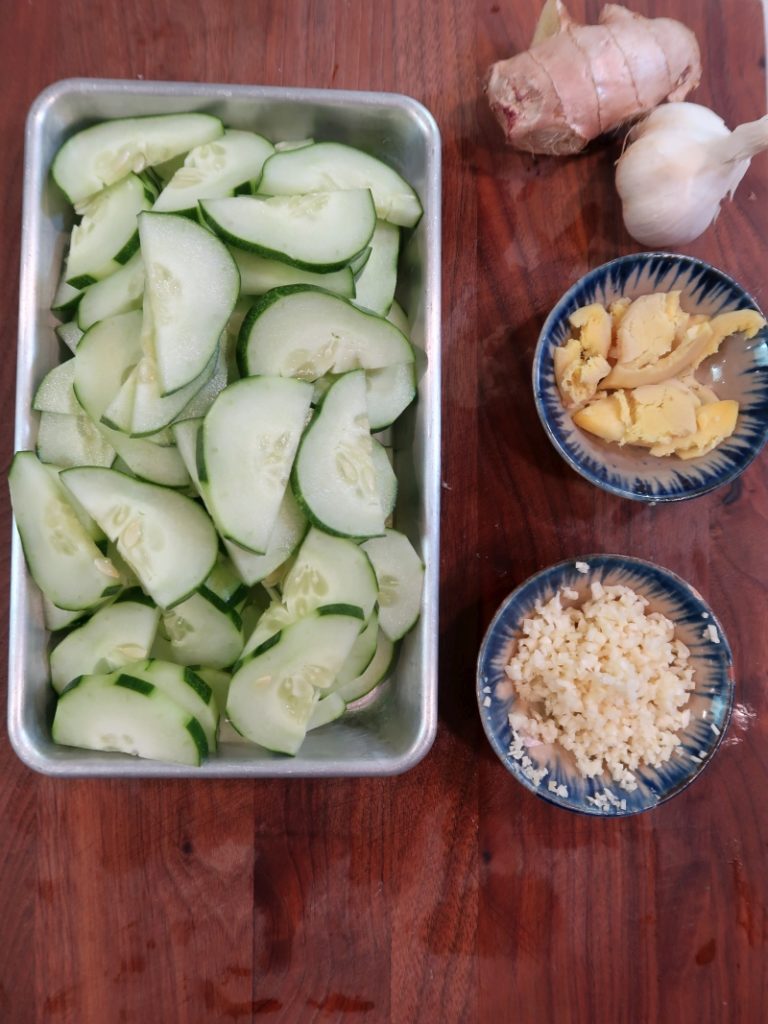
x=651 y=377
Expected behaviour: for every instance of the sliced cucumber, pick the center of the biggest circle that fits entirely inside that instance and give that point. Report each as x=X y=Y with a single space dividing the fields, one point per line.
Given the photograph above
x=301 y=331
x=272 y=697
x=224 y=585
x=167 y=539
x=388 y=392
x=356 y=265
x=248 y=441
x=121 y=292
x=286 y=144
x=155 y=463
x=62 y=558
x=64 y=440
x=386 y=480
x=397 y=316
x=191 y=286
x=66 y=300
x=259 y=275
x=317 y=232
x=218 y=680
x=112 y=638
x=107 y=236
x=329 y=570
x=327 y=710
x=70 y=334
x=287 y=533
x=361 y=655
x=129 y=715
x=333 y=477
x=104 y=358
x=400 y=573
x=331 y=165
x=378 y=669
x=58 y=618
x=214 y=170
x=375 y=287
x=203 y=631
x=104 y=154
x=55 y=392
x=200 y=403
x=186 y=688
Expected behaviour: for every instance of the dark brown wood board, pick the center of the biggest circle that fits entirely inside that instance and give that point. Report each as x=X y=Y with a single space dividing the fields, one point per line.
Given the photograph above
x=449 y=894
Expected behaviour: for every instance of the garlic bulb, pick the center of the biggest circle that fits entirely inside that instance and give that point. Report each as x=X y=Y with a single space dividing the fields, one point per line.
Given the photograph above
x=680 y=164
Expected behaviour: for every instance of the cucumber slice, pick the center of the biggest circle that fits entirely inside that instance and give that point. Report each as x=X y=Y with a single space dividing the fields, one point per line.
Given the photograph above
x=287 y=533
x=128 y=715
x=155 y=463
x=55 y=392
x=375 y=286
x=105 y=356
x=378 y=669
x=356 y=265
x=104 y=154
x=331 y=165
x=327 y=710
x=106 y=236
x=329 y=570
x=167 y=539
x=224 y=585
x=272 y=697
x=388 y=392
x=218 y=680
x=112 y=638
x=191 y=287
x=64 y=440
x=259 y=275
x=287 y=144
x=386 y=480
x=317 y=232
x=203 y=631
x=397 y=316
x=214 y=170
x=186 y=688
x=121 y=292
x=333 y=477
x=400 y=573
x=70 y=334
x=66 y=300
x=62 y=558
x=361 y=655
x=247 y=445
x=301 y=331
x=152 y=411
x=58 y=618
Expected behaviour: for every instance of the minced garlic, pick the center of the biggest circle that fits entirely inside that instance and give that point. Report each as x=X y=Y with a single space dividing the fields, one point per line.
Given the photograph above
x=607 y=681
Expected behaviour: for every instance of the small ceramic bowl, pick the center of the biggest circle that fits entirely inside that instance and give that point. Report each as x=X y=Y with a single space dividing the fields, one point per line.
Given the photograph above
x=738 y=371
x=710 y=701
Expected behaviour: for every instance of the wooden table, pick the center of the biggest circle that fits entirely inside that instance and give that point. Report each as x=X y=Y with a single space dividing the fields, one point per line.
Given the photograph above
x=449 y=894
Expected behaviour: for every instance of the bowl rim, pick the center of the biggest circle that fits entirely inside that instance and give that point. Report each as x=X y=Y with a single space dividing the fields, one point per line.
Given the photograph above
x=644 y=566
x=556 y=314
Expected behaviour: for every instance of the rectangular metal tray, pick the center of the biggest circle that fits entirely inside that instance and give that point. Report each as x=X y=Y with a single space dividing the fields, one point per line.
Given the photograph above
x=396 y=726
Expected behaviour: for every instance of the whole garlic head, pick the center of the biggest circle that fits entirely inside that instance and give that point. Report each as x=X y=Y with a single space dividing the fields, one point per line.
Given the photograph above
x=680 y=164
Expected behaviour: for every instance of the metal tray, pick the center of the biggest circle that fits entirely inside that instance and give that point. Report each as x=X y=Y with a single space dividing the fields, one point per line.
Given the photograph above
x=396 y=725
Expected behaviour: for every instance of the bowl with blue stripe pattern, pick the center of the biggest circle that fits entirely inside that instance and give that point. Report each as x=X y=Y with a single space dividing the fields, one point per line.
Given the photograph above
x=738 y=371
x=709 y=704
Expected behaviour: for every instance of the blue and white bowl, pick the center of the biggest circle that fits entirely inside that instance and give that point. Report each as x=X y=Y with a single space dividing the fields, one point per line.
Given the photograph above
x=738 y=371
x=710 y=702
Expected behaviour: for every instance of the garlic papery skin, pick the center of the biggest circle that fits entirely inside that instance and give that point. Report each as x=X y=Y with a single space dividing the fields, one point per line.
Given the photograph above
x=680 y=164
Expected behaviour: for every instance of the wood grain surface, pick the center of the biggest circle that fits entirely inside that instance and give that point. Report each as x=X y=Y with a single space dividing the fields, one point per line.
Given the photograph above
x=449 y=894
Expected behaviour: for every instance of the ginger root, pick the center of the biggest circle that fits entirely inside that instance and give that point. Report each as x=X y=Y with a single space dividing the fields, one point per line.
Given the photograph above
x=578 y=81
